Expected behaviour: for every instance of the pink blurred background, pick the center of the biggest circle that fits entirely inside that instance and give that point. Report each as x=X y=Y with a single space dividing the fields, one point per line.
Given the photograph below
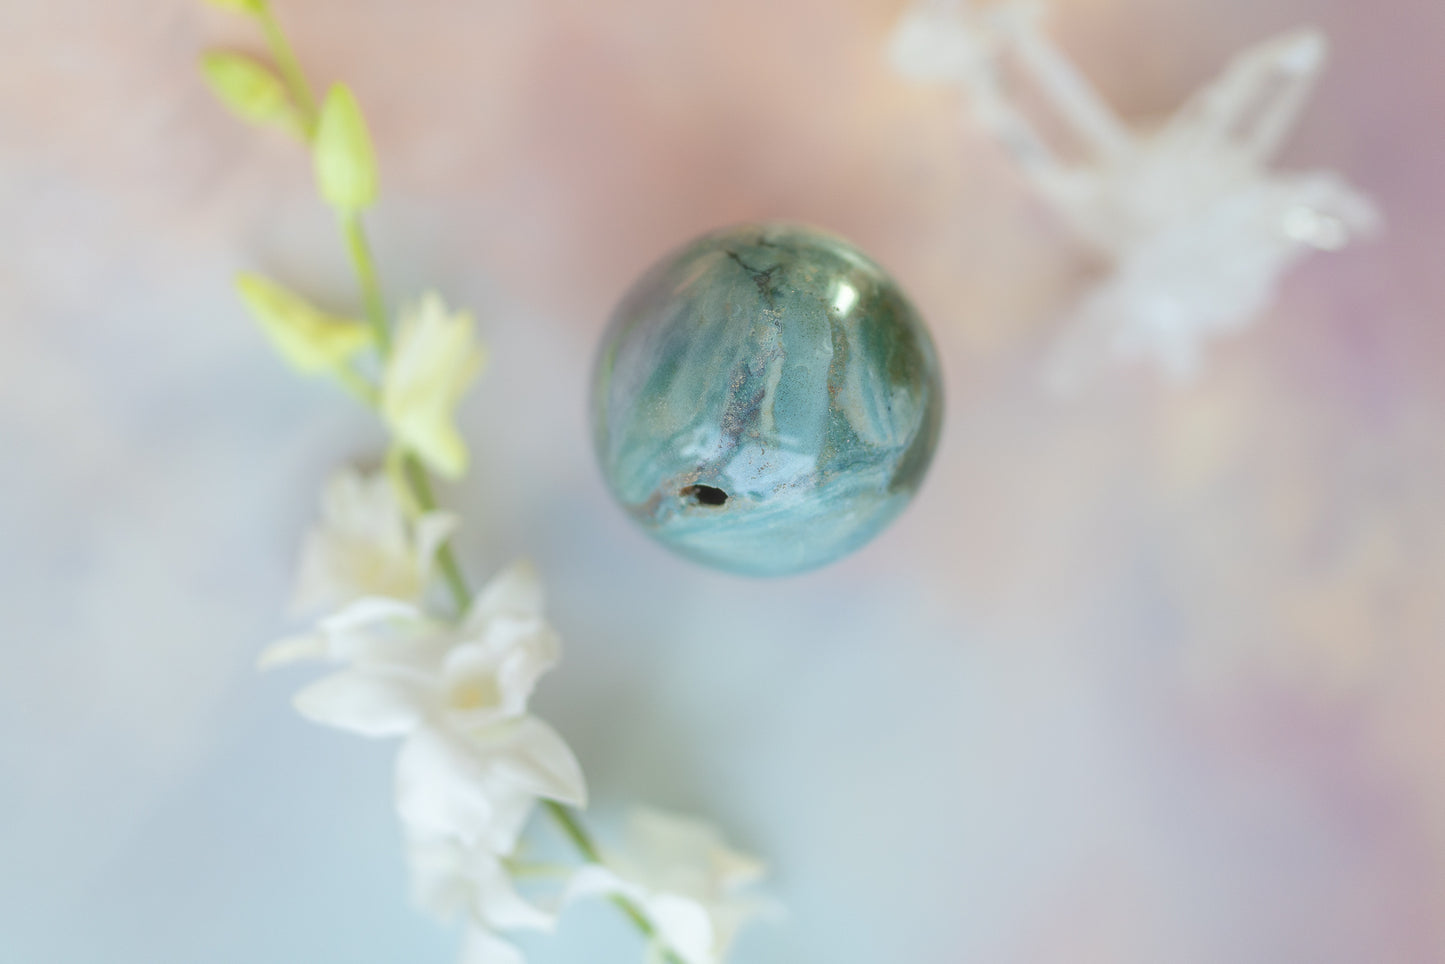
x=1152 y=674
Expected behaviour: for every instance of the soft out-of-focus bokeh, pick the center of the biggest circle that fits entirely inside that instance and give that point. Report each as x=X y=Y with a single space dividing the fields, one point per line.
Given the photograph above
x=1152 y=674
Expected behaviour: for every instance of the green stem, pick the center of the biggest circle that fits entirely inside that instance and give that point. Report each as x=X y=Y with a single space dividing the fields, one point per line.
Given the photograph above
x=525 y=870
x=356 y=383
x=574 y=830
x=582 y=841
x=365 y=266
x=290 y=67
x=421 y=491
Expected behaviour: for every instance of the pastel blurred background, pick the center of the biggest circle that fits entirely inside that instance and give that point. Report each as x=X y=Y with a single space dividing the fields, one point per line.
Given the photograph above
x=1153 y=674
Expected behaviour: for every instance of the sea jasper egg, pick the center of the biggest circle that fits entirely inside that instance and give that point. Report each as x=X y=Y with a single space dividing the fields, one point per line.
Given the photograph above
x=765 y=400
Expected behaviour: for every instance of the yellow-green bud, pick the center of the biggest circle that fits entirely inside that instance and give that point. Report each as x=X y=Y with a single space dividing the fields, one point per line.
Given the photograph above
x=248 y=87
x=252 y=7
x=345 y=164
x=310 y=339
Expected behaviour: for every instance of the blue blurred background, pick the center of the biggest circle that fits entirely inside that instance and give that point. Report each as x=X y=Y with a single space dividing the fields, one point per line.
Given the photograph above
x=1152 y=674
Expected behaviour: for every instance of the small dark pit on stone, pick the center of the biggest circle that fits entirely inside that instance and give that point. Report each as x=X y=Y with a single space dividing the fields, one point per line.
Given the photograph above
x=704 y=495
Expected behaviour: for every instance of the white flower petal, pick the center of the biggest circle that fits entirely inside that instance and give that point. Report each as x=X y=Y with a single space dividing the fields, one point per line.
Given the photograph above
x=542 y=762
x=293 y=649
x=498 y=904
x=598 y=880
x=377 y=631
x=505 y=647
x=447 y=786
x=735 y=869
x=449 y=876
x=371 y=612
x=674 y=852
x=371 y=703
x=439 y=883
x=512 y=808
x=514 y=592
x=481 y=946
x=362 y=546
x=439 y=788
x=684 y=925
x=491 y=679
x=518 y=675
x=473 y=692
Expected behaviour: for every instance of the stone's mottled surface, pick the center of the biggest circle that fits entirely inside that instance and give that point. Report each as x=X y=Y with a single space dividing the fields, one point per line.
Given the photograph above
x=765 y=400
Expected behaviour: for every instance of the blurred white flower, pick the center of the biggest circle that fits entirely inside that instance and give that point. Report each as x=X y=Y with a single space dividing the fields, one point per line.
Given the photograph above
x=1196 y=226
x=451 y=879
x=365 y=545
x=434 y=359
x=686 y=881
x=473 y=761
x=942 y=40
x=1211 y=274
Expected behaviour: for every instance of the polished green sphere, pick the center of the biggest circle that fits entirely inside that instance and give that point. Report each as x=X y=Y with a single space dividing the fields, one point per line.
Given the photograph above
x=765 y=400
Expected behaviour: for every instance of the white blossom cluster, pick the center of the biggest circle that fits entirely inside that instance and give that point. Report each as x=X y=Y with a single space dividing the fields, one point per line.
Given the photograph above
x=1195 y=226
x=474 y=761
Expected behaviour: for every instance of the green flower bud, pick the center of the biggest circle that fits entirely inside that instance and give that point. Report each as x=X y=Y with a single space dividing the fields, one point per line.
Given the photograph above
x=252 y=7
x=310 y=339
x=248 y=87
x=345 y=164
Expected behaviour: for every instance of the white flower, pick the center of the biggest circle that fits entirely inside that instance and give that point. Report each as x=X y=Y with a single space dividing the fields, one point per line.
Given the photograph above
x=1196 y=225
x=449 y=878
x=473 y=761
x=1208 y=274
x=481 y=785
x=942 y=40
x=686 y=881
x=366 y=546
x=434 y=359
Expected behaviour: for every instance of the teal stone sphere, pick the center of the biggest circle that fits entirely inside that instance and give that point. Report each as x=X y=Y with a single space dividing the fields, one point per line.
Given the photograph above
x=765 y=400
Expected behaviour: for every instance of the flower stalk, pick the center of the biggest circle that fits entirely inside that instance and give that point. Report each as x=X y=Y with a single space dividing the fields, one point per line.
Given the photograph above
x=335 y=132
x=289 y=66
x=421 y=492
x=368 y=279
